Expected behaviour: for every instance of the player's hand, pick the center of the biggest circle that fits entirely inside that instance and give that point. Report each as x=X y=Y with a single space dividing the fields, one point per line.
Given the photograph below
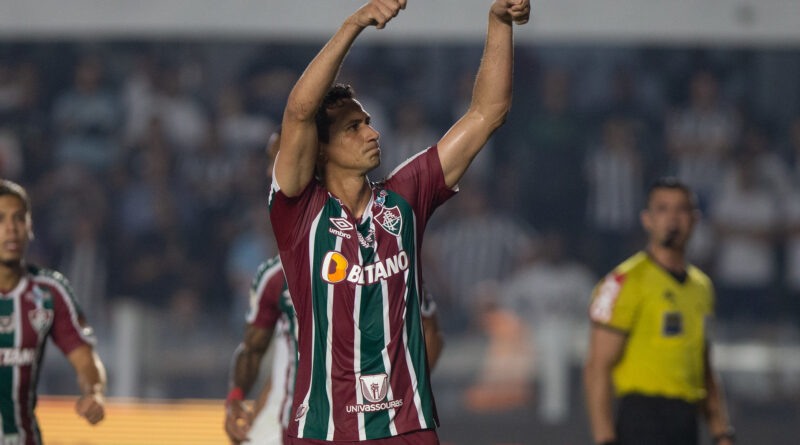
x=517 y=11
x=378 y=13
x=91 y=407
x=238 y=420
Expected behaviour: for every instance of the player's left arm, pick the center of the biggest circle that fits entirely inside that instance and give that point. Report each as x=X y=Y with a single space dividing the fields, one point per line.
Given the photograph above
x=491 y=95
x=92 y=383
x=714 y=406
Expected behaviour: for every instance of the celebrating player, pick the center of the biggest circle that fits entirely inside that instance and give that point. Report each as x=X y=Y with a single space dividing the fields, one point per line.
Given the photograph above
x=649 y=336
x=350 y=247
x=35 y=304
x=272 y=316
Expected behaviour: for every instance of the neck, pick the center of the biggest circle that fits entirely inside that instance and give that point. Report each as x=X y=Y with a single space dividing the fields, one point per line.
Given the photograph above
x=10 y=275
x=353 y=190
x=671 y=259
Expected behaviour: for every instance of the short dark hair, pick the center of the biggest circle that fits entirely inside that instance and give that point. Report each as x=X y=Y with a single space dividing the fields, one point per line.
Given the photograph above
x=11 y=188
x=671 y=183
x=337 y=93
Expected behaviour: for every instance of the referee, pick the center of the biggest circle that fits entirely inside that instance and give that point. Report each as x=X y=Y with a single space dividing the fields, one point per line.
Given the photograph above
x=649 y=337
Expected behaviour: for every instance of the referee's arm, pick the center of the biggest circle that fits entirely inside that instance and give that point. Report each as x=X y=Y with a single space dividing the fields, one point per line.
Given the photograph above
x=714 y=407
x=606 y=346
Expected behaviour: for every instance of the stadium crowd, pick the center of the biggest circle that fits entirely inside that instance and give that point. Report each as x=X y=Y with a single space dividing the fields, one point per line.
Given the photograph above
x=147 y=171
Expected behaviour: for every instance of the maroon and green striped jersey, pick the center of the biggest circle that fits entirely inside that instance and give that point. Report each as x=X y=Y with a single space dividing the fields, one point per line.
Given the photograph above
x=271 y=309
x=40 y=306
x=355 y=284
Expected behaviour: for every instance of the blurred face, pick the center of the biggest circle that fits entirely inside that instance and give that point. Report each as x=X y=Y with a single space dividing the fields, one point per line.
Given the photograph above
x=15 y=230
x=669 y=218
x=353 y=143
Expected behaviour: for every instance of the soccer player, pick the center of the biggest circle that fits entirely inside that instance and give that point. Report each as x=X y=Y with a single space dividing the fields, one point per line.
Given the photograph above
x=272 y=316
x=649 y=337
x=350 y=247
x=35 y=304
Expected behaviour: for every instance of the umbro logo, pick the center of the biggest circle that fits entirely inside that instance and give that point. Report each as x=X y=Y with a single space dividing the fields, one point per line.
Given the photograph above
x=342 y=223
x=340 y=226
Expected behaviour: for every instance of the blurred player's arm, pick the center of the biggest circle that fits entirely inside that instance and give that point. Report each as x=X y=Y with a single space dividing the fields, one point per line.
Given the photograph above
x=606 y=347
x=714 y=406
x=434 y=340
x=491 y=95
x=91 y=381
x=297 y=157
x=246 y=361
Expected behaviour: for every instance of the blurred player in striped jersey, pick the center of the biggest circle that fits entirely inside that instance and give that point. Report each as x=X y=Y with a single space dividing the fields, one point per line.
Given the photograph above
x=272 y=316
x=36 y=304
x=350 y=248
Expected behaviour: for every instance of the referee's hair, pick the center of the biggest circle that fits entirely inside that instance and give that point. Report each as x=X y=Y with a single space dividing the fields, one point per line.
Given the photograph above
x=671 y=183
x=13 y=189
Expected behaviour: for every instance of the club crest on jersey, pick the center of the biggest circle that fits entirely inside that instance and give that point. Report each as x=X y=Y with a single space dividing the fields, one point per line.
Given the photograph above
x=38 y=295
x=340 y=226
x=6 y=324
x=374 y=387
x=40 y=319
x=391 y=220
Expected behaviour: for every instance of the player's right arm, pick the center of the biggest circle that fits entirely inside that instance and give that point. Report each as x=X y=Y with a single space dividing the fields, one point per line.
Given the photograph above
x=297 y=158
x=246 y=361
x=605 y=350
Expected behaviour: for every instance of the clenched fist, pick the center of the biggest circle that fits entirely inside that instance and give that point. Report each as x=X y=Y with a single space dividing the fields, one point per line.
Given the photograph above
x=377 y=13
x=91 y=408
x=517 y=11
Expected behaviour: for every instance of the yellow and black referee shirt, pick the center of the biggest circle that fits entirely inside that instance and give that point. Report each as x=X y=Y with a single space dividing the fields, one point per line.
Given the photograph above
x=665 y=321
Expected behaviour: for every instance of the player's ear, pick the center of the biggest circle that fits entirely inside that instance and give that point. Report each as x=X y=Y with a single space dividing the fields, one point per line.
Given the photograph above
x=644 y=218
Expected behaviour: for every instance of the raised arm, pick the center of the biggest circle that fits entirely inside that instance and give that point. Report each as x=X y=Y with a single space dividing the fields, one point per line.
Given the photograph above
x=92 y=383
x=297 y=158
x=491 y=96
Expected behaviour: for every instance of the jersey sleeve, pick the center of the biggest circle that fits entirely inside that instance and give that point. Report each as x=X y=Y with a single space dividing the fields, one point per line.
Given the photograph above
x=614 y=302
x=69 y=328
x=292 y=217
x=420 y=181
x=265 y=296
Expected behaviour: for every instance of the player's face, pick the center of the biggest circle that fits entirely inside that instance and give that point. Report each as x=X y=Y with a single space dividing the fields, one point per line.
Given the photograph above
x=669 y=218
x=15 y=229
x=353 y=143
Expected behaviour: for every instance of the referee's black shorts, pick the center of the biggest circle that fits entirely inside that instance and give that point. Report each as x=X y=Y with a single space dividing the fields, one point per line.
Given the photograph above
x=647 y=420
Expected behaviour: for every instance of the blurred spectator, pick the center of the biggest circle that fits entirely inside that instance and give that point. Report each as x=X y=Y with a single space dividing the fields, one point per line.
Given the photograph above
x=746 y=216
x=478 y=244
x=248 y=249
x=613 y=170
x=792 y=211
x=139 y=99
x=701 y=136
x=551 y=148
x=411 y=134
x=86 y=119
x=240 y=131
x=549 y=293
x=11 y=162
x=184 y=121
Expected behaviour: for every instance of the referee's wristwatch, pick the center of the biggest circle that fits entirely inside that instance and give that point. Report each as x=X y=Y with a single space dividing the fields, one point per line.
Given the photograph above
x=729 y=434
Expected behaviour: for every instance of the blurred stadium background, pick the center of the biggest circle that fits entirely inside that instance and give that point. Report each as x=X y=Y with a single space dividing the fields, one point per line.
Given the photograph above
x=139 y=129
